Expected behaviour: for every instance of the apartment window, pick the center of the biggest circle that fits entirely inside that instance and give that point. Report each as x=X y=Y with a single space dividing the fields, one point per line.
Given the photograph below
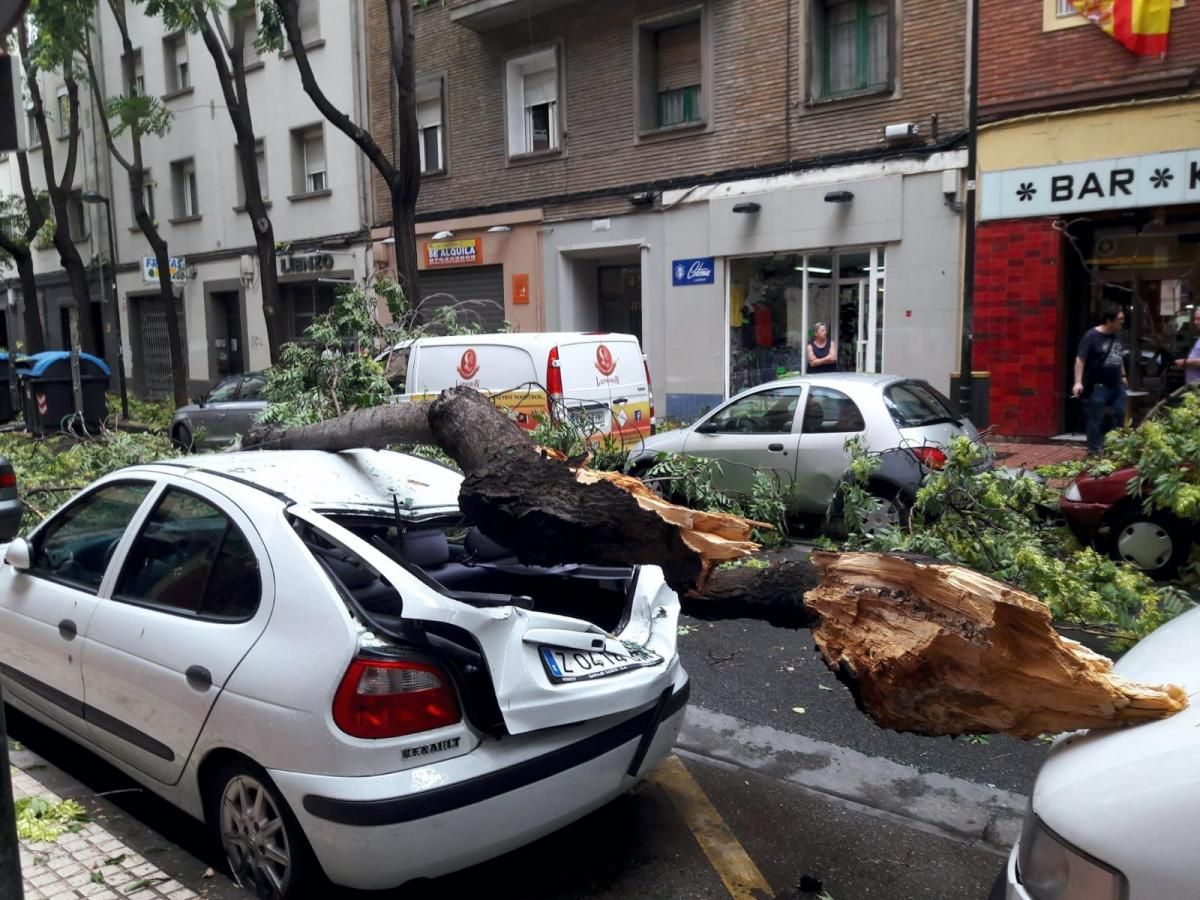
x=33 y=136
x=248 y=22
x=137 y=87
x=260 y=157
x=1065 y=8
x=533 y=113
x=175 y=58
x=430 y=124
x=678 y=72
x=64 y=113
x=308 y=161
x=310 y=20
x=147 y=194
x=854 y=46
x=183 y=186
x=77 y=219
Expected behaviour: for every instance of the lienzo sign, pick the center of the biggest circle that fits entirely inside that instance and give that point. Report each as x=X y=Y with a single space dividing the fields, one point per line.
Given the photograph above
x=1155 y=179
x=693 y=271
x=466 y=252
x=304 y=263
x=150 y=269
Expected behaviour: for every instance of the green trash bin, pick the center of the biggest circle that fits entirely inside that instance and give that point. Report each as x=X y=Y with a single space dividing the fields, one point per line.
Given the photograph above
x=48 y=396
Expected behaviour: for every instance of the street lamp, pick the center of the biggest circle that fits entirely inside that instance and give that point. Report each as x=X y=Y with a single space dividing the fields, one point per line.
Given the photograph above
x=94 y=197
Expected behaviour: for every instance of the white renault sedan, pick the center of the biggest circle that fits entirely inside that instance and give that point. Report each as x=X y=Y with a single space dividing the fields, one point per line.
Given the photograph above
x=1113 y=813
x=313 y=653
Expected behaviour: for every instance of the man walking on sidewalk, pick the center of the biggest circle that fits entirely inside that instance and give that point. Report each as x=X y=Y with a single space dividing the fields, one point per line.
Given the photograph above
x=1191 y=365
x=1100 y=380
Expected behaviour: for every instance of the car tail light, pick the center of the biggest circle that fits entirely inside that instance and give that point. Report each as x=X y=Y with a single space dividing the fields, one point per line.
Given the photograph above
x=8 y=479
x=650 y=391
x=554 y=384
x=389 y=698
x=932 y=457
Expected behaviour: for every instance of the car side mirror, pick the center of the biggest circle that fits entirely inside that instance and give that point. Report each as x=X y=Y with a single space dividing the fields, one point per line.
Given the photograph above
x=707 y=428
x=19 y=554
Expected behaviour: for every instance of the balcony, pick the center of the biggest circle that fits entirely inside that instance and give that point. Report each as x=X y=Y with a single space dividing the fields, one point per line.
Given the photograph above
x=488 y=15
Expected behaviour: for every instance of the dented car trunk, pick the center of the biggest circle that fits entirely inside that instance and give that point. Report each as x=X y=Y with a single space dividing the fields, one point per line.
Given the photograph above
x=530 y=647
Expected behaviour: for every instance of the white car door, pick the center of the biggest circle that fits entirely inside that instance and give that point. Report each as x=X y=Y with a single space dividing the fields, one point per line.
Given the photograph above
x=193 y=593
x=45 y=609
x=752 y=432
x=829 y=418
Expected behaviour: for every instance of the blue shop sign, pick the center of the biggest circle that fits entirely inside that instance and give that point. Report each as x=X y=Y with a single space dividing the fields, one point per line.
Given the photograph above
x=693 y=271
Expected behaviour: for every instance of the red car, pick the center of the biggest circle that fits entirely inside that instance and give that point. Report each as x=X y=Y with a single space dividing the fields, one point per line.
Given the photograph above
x=1101 y=512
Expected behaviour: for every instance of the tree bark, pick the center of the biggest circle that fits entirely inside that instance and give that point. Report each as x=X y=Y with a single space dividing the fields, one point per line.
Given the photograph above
x=230 y=64
x=135 y=169
x=60 y=190
x=401 y=173
x=376 y=428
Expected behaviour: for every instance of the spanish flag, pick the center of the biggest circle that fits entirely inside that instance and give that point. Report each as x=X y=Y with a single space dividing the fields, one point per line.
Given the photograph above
x=1141 y=25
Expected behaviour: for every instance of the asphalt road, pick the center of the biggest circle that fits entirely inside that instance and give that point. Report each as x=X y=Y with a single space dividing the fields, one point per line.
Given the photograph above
x=762 y=675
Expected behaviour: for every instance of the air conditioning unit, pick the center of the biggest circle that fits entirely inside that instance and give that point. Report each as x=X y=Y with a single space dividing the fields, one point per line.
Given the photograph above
x=904 y=131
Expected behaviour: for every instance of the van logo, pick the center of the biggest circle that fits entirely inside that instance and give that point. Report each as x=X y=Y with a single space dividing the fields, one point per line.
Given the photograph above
x=605 y=363
x=468 y=365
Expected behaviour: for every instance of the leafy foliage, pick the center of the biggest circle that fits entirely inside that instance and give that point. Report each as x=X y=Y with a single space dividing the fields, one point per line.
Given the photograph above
x=691 y=480
x=39 y=819
x=333 y=369
x=50 y=470
x=575 y=436
x=998 y=525
x=1166 y=450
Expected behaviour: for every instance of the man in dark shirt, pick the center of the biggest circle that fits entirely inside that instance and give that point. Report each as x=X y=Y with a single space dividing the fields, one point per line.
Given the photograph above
x=1100 y=380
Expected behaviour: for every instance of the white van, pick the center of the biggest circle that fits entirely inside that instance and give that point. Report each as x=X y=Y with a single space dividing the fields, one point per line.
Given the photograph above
x=601 y=375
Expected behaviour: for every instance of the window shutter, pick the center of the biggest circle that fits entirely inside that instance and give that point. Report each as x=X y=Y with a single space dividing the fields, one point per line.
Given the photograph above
x=314 y=153
x=677 y=56
x=541 y=87
x=429 y=113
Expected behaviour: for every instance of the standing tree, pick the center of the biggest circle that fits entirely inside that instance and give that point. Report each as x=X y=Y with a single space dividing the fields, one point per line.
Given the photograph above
x=138 y=115
x=401 y=173
x=228 y=52
x=57 y=41
x=24 y=217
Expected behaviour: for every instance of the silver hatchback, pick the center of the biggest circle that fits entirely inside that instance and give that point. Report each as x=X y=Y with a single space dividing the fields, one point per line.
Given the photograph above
x=797 y=428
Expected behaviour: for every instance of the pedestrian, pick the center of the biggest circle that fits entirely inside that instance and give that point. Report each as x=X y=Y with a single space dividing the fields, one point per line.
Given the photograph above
x=822 y=352
x=1100 y=380
x=1191 y=365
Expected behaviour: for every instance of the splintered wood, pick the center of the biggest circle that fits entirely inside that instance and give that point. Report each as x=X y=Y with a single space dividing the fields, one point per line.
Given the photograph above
x=716 y=537
x=937 y=649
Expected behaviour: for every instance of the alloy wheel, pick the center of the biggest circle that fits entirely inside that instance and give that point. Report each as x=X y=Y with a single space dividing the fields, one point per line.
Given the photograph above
x=254 y=837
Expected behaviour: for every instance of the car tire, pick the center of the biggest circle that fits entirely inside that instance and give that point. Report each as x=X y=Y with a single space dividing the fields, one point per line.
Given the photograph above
x=640 y=471
x=181 y=437
x=265 y=848
x=1156 y=543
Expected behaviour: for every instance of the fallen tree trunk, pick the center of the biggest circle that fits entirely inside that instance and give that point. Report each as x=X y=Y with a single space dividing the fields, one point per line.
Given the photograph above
x=924 y=647
x=937 y=649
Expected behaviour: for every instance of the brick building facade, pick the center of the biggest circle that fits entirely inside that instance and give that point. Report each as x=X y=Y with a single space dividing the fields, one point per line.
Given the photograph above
x=1089 y=196
x=590 y=151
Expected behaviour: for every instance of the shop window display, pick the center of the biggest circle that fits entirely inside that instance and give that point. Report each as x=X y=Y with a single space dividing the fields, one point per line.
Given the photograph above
x=770 y=326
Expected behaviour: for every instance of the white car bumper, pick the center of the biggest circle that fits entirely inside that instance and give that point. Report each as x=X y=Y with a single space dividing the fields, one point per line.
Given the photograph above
x=381 y=831
x=1013 y=889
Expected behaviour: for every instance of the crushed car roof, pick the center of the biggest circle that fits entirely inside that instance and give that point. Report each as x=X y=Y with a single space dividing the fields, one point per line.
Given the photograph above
x=349 y=479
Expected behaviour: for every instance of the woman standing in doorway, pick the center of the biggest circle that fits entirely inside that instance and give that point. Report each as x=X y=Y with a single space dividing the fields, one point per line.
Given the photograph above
x=822 y=352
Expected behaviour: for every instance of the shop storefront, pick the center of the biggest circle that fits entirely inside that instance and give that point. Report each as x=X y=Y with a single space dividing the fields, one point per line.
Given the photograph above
x=778 y=301
x=487 y=269
x=1064 y=234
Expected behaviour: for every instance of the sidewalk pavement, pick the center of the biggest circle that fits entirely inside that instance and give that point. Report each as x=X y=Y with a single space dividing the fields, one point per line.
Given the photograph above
x=1015 y=455
x=109 y=857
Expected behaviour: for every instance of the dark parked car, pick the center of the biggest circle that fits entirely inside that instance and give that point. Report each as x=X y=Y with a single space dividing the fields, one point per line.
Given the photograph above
x=219 y=416
x=1101 y=511
x=10 y=502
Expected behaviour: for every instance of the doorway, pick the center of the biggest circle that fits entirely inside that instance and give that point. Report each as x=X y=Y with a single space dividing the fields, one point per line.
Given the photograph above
x=227 y=346
x=64 y=313
x=619 y=294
